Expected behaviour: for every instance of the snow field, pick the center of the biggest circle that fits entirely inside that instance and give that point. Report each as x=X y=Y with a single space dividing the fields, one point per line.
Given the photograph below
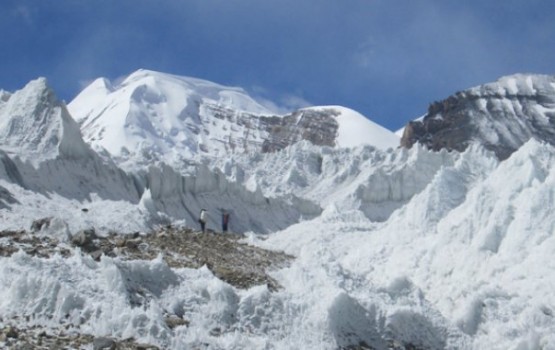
x=475 y=260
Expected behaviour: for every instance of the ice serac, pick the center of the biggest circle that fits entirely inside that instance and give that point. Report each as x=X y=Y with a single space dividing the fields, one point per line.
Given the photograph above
x=43 y=151
x=374 y=181
x=35 y=125
x=181 y=197
x=153 y=116
x=502 y=116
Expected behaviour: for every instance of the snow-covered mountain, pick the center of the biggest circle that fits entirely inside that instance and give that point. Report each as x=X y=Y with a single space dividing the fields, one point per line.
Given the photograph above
x=502 y=116
x=44 y=155
x=152 y=116
x=393 y=248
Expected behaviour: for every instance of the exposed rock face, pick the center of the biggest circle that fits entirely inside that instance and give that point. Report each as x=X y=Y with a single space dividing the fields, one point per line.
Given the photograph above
x=501 y=116
x=317 y=126
x=273 y=133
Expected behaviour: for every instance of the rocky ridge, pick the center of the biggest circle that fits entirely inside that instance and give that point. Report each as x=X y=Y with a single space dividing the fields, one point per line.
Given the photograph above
x=501 y=116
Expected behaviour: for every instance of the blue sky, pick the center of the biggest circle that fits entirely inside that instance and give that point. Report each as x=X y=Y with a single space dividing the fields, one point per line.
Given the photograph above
x=387 y=59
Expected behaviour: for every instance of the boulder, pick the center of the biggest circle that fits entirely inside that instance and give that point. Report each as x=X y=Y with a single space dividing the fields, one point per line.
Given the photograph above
x=84 y=239
x=103 y=343
x=39 y=224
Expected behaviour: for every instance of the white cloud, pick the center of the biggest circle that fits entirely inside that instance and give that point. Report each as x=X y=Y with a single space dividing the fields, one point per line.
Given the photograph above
x=365 y=53
x=281 y=104
x=83 y=83
x=292 y=102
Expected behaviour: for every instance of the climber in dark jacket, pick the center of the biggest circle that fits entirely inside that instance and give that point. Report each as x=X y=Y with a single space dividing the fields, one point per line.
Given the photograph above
x=225 y=220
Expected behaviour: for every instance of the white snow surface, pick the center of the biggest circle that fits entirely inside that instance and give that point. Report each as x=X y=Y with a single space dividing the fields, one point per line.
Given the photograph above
x=439 y=250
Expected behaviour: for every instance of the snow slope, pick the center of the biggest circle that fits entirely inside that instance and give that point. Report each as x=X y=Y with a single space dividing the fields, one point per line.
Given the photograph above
x=429 y=250
x=356 y=130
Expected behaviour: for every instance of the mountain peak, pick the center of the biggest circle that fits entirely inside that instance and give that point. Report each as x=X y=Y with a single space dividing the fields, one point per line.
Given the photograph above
x=35 y=125
x=228 y=96
x=502 y=116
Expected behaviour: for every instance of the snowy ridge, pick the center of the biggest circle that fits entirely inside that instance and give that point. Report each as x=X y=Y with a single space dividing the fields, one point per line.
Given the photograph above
x=376 y=182
x=182 y=197
x=114 y=199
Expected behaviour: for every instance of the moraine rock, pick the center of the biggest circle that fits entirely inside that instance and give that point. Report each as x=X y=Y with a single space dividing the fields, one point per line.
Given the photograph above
x=103 y=343
x=40 y=224
x=84 y=239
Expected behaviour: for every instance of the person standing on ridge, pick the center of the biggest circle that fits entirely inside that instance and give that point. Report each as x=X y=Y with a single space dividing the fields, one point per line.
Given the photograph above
x=225 y=220
x=202 y=220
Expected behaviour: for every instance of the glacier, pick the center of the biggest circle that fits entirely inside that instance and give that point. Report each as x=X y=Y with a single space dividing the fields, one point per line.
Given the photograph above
x=432 y=249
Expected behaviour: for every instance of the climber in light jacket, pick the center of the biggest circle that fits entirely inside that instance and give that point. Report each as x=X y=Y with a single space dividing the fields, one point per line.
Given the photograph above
x=202 y=220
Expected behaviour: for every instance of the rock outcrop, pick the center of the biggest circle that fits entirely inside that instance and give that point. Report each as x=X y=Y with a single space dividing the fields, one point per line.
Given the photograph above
x=501 y=116
x=319 y=127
